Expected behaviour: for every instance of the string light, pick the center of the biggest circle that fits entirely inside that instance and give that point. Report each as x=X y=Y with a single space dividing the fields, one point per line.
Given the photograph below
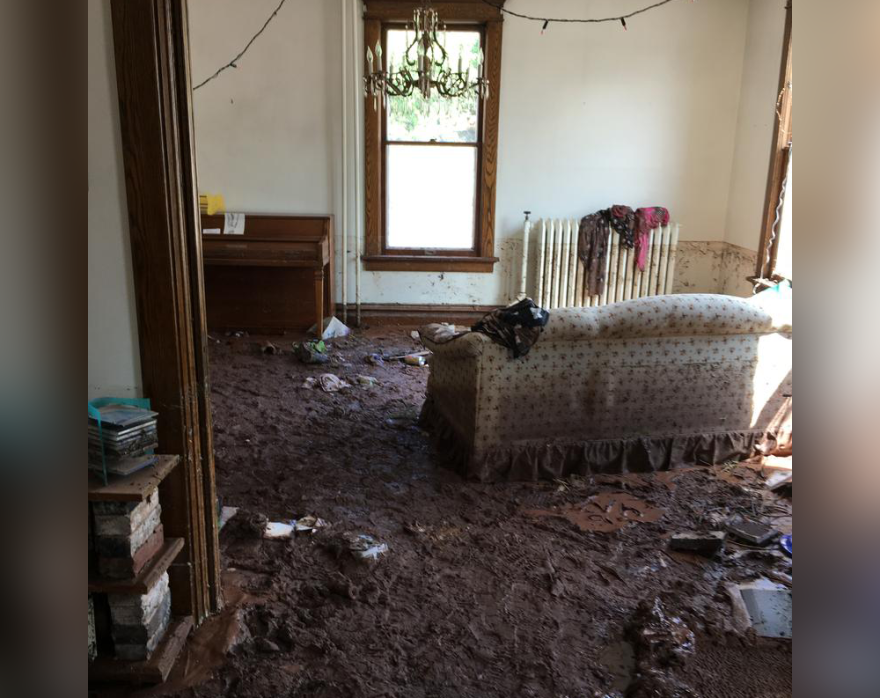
x=234 y=61
x=575 y=20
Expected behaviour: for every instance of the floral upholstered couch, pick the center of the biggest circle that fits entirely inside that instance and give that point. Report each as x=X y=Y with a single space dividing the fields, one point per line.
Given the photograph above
x=642 y=385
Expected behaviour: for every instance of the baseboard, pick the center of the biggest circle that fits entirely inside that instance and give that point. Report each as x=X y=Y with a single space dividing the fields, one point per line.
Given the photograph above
x=413 y=314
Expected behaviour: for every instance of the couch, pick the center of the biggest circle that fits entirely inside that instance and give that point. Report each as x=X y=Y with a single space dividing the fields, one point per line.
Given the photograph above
x=636 y=386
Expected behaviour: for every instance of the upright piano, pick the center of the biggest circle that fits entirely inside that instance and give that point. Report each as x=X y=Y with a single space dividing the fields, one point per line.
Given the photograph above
x=277 y=275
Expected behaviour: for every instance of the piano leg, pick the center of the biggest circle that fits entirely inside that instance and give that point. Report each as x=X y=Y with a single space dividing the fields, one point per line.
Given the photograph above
x=319 y=301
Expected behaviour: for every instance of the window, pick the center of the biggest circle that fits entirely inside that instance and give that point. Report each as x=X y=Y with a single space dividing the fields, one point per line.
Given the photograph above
x=775 y=249
x=430 y=163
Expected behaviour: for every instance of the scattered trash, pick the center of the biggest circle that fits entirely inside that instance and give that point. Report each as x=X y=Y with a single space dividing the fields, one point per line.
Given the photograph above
x=415 y=335
x=313 y=352
x=236 y=333
x=768 y=606
x=309 y=524
x=778 y=480
x=661 y=639
x=414 y=360
x=604 y=512
x=332 y=328
x=375 y=359
x=310 y=383
x=269 y=348
x=367 y=381
x=226 y=513
x=365 y=547
x=707 y=544
x=401 y=357
x=752 y=531
x=331 y=383
x=278 y=529
x=785 y=544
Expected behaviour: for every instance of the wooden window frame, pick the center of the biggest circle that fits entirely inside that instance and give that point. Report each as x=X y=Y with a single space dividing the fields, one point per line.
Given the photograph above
x=765 y=271
x=379 y=16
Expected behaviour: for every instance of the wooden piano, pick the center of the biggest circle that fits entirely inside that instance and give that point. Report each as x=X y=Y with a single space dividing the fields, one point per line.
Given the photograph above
x=277 y=275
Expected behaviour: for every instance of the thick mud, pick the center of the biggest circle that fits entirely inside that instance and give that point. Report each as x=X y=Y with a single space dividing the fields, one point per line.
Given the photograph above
x=485 y=590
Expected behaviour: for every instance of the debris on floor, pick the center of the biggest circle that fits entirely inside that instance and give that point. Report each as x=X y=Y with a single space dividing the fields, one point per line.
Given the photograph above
x=769 y=607
x=314 y=352
x=707 y=544
x=661 y=639
x=333 y=328
x=752 y=532
x=785 y=544
x=331 y=383
x=365 y=547
x=778 y=480
x=374 y=359
x=278 y=529
x=268 y=348
x=226 y=513
x=415 y=360
x=604 y=512
x=367 y=381
x=309 y=524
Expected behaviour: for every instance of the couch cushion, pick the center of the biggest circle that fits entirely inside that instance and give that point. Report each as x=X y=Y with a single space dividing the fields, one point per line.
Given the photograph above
x=679 y=315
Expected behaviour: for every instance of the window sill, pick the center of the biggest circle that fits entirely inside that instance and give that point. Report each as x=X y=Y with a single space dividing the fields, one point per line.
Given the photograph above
x=474 y=265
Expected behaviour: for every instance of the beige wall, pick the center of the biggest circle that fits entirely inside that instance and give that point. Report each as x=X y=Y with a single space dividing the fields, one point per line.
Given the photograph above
x=590 y=116
x=114 y=367
x=755 y=122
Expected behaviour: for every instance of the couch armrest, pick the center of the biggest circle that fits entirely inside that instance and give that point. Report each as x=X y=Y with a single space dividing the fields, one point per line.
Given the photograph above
x=470 y=345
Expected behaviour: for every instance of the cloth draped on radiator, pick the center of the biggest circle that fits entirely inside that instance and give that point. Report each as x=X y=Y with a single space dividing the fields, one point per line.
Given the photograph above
x=647 y=219
x=516 y=327
x=592 y=246
x=623 y=220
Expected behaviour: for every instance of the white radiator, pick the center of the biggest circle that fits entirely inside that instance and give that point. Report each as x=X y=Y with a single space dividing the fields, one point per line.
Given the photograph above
x=559 y=274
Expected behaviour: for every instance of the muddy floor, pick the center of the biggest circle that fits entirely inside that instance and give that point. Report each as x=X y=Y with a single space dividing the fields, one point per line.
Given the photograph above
x=485 y=590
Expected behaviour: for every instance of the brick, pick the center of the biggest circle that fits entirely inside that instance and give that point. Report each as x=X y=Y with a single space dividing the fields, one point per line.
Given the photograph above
x=140 y=652
x=707 y=544
x=141 y=634
x=127 y=546
x=127 y=523
x=128 y=567
x=131 y=609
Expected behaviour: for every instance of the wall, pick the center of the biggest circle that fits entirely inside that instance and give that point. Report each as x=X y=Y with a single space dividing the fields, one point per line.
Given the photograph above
x=590 y=116
x=114 y=366
x=754 y=137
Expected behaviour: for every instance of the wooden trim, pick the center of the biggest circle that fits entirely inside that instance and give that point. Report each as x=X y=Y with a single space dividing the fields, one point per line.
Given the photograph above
x=481 y=259
x=489 y=160
x=406 y=314
x=782 y=134
x=449 y=10
x=146 y=578
x=373 y=223
x=152 y=73
x=422 y=262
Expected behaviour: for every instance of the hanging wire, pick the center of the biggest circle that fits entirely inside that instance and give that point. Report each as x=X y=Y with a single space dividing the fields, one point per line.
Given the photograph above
x=232 y=63
x=572 y=20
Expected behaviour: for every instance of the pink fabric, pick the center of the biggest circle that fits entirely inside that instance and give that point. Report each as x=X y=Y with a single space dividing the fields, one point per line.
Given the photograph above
x=646 y=220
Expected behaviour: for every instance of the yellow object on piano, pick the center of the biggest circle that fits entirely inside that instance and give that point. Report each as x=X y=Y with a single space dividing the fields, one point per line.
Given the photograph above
x=211 y=203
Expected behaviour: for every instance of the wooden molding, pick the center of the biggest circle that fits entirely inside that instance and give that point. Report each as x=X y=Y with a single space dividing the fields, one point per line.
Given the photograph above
x=450 y=11
x=479 y=265
x=415 y=314
x=152 y=72
x=489 y=19
x=778 y=154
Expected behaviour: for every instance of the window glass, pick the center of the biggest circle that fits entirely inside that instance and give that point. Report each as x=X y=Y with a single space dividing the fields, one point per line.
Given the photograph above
x=441 y=119
x=431 y=194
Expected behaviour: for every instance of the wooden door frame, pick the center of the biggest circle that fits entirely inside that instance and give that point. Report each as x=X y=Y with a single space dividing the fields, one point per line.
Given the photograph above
x=151 y=46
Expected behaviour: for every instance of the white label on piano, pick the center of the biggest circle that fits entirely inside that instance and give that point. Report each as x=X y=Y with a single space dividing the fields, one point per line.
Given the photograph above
x=233 y=224
x=211 y=231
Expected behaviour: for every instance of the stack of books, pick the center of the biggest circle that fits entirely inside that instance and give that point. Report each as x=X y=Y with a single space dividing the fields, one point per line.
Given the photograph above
x=129 y=437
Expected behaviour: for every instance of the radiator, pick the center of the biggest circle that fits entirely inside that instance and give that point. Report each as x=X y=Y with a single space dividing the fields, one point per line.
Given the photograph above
x=559 y=273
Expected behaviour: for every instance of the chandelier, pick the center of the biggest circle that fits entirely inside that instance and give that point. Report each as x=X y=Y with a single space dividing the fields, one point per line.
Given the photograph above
x=424 y=65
